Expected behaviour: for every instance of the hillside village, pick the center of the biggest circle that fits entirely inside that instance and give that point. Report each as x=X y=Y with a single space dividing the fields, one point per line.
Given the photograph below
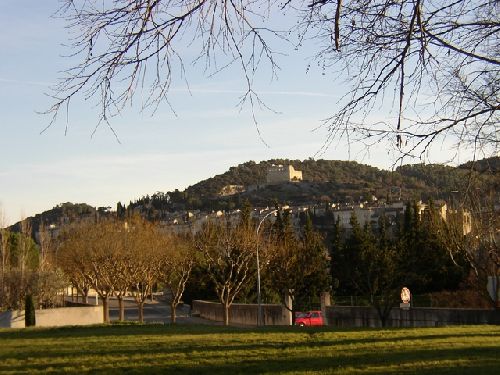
x=299 y=191
x=323 y=215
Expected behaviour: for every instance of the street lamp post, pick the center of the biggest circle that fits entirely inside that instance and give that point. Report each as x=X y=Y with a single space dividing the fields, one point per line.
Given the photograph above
x=259 y=304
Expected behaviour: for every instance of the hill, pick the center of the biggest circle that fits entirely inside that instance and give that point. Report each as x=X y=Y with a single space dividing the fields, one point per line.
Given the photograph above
x=484 y=165
x=61 y=214
x=323 y=181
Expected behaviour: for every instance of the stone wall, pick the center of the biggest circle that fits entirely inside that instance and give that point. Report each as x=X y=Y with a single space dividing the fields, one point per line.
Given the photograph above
x=356 y=316
x=63 y=316
x=350 y=316
x=244 y=314
x=277 y=174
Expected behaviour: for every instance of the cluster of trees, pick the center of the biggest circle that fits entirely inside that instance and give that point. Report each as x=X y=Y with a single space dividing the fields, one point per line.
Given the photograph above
x=117 y=257
x=26 y=270
x=299 y=267
x=417 y=254
x=133 y=256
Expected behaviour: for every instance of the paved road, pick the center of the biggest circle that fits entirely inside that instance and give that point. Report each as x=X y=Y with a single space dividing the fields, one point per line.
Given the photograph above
x=157 y=311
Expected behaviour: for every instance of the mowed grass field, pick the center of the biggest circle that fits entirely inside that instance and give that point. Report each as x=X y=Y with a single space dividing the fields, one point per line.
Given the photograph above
x=218 y=350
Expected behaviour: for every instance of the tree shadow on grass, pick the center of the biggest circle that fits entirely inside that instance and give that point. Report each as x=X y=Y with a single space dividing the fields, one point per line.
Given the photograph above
x=133 y=328
x=478 y=361
x=113 y=342
x=257 y=359
x=115 y=329
x=453 y=361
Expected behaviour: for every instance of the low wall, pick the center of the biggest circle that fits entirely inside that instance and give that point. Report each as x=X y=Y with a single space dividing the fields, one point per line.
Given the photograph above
x=356 y=316
x=77 y=304
x=239 y=313
x=64 y=316
x=12 y=319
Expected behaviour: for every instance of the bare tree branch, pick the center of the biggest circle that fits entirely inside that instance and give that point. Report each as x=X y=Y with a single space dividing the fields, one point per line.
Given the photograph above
x=430 y=68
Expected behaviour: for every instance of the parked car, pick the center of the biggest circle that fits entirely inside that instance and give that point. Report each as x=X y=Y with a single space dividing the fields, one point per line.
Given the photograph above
x=310 y=318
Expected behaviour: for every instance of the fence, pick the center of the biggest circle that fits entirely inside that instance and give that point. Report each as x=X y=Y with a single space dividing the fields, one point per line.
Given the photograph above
x=360 y=316
x=240 y=313
x=457 y=299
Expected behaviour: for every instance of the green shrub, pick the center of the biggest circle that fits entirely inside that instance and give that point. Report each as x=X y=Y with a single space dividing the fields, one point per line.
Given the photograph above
x=29 y=311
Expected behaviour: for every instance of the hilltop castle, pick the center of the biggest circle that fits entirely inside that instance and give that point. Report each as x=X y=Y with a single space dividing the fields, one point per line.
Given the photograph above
x=277 y=174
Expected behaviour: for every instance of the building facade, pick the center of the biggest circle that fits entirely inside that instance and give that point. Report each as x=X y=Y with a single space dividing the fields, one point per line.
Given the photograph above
x=278 y=174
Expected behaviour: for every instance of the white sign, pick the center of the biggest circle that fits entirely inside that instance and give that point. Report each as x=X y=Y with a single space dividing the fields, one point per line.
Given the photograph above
x=405 y=295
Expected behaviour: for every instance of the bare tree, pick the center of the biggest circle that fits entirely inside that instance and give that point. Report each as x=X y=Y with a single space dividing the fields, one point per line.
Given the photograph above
x=90 y=253
x=127 y=45
x=145 y=245
x=473 y=231
x=123 y=278
x=177 y=260
x=229 y=252
x=44 y=240
x=24 y=249
x=73 y=262
x=114 y=257
x=103 y=256
x=427 y=69
x=437 y=62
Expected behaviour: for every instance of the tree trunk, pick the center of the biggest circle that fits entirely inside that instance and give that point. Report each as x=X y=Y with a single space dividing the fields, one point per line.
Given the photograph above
x=140 y=307
x=383 y=320
x=121 y=318
x=29 y=311
x=226 y=313
x=173 y=315
x=383 y=313
x=496 y=290
x=105 y=309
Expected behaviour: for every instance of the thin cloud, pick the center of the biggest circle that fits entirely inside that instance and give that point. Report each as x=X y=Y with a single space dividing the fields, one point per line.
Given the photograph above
x=300 y=93
x=30 y=83
x=263 y=92
x=196 y=90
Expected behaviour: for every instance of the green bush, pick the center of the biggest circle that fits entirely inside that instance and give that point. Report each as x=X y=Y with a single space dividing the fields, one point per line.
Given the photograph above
x=29 y=311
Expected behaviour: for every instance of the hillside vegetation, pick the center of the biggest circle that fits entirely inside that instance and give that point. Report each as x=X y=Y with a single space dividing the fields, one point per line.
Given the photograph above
x=325 y=181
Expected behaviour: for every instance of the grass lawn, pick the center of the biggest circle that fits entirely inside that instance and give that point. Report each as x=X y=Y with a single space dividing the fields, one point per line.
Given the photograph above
x=216 y=350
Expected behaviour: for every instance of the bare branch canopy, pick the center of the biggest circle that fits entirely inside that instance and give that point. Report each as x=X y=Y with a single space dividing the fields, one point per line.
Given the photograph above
x=418 y=71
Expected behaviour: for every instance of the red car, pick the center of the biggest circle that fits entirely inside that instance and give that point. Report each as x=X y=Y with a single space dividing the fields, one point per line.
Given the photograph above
x=310 y=318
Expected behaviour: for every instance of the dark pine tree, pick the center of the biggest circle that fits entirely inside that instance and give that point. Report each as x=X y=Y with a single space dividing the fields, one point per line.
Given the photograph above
x=29 y=311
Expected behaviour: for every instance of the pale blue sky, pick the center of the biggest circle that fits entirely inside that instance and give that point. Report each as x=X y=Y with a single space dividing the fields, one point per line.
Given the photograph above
x=160 y=153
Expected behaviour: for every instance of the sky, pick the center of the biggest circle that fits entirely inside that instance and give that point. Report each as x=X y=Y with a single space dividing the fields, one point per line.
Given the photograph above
x=207 y=134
